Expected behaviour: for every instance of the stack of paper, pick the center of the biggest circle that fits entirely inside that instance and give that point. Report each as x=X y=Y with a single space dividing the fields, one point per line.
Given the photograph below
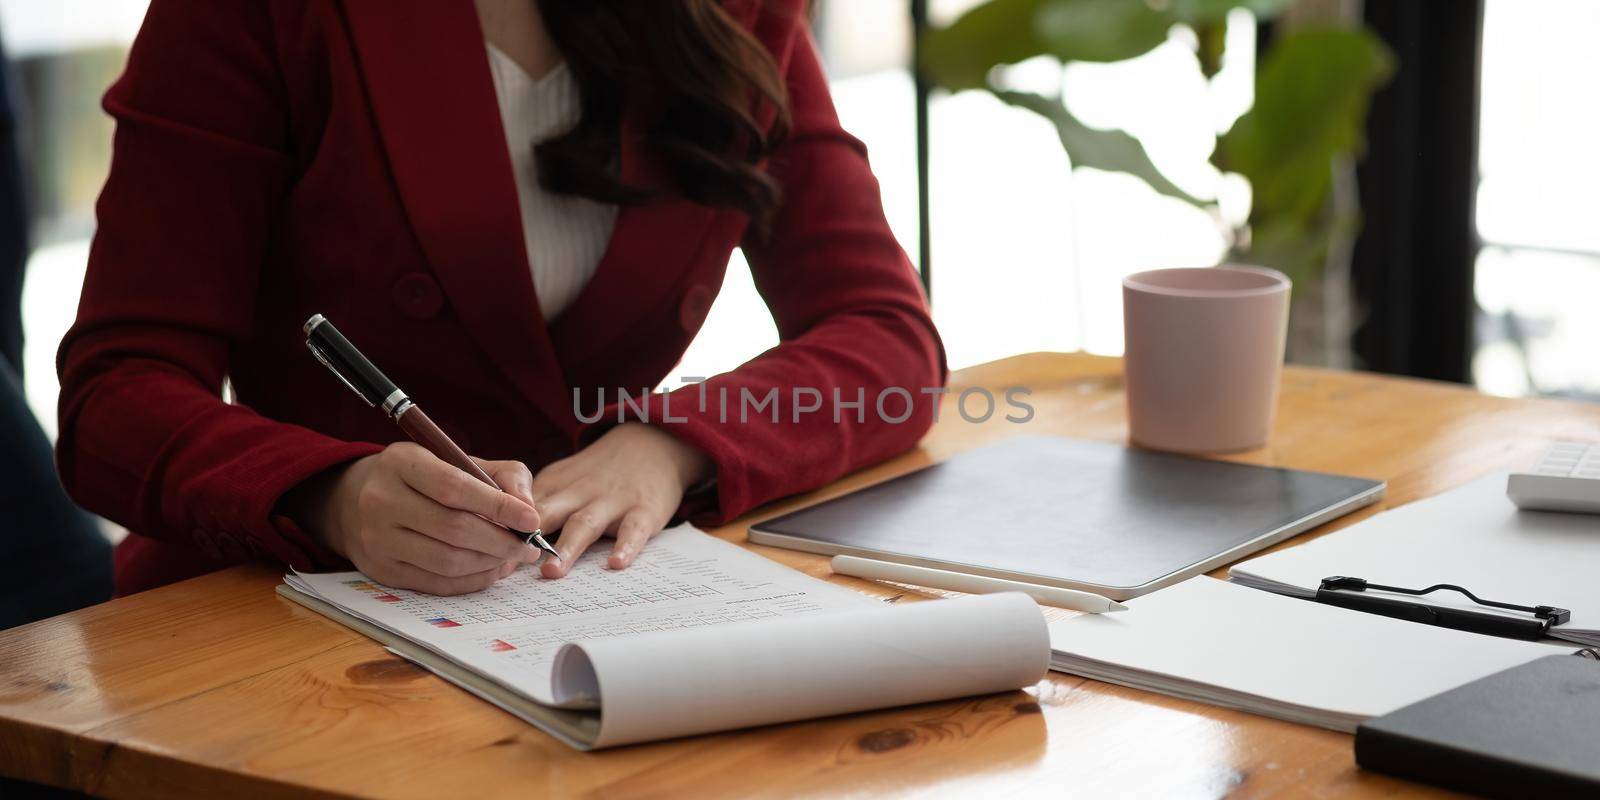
x=1471 y=536
x=698 y=635
x=1306 y=662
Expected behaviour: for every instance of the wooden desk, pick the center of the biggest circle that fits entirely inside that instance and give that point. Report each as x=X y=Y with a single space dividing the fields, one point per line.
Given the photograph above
x=216 y=686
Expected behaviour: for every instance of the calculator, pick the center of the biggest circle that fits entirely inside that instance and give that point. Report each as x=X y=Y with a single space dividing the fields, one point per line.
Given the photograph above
x=1567 y=478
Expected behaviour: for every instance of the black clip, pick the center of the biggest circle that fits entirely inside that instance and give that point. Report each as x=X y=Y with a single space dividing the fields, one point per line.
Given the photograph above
x=1341 y=582
x=1545 y=617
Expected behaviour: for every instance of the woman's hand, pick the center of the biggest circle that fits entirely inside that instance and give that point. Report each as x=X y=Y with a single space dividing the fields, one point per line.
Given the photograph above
x=627 y=483
x=408 y=519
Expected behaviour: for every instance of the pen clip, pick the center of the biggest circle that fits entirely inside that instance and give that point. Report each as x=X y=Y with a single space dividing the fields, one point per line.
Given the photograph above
x=326 y=362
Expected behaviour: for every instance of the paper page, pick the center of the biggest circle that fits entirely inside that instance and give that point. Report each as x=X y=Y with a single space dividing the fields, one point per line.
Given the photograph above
x=1250 y=642
x=684 y=580
x=681 y=683
x=1470 y=536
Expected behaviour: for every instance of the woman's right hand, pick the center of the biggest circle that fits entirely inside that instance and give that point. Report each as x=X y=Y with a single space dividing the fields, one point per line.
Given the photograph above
x=407 y=519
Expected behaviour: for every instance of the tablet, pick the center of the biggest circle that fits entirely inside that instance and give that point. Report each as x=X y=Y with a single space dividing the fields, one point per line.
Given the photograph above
x=1092 y=516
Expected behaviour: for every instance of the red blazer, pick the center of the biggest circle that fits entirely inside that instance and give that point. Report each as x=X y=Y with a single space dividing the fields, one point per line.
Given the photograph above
x=279 y=159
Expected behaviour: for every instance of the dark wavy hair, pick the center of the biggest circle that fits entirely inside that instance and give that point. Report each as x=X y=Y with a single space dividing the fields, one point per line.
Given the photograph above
x=707 y=81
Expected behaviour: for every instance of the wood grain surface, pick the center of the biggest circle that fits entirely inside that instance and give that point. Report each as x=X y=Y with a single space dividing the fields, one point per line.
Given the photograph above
x=217 y=687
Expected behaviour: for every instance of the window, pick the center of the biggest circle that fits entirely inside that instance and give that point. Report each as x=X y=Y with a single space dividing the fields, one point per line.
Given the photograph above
x=1538 y=272
x=1027 y=254
x=63 y=55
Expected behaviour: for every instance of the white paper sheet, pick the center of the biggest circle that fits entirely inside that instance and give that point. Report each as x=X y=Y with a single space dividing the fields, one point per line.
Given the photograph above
x=682 y=683
x=1471 y=536
x=1312 y=663
x=510 y=632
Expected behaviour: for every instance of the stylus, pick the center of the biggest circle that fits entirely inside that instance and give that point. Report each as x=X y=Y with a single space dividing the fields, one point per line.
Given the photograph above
x=975 y=584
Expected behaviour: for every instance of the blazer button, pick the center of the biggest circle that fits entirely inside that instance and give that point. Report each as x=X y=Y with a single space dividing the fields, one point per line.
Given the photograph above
x=418 y=296
x=695 y=306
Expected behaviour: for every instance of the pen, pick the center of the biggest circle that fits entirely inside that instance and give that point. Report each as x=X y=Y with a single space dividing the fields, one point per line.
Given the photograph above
x=355 y=371
x=976 y=584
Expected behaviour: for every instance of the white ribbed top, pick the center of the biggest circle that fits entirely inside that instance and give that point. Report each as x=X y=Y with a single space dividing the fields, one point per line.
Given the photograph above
x=565 y=236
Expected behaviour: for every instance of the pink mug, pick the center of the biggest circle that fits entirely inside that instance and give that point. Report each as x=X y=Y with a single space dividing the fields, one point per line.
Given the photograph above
x=1204 y=350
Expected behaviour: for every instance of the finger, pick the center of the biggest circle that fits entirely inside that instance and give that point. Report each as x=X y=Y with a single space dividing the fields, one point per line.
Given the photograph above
x=633 y=533
x=451 y=487
x=460 y=529
x=555 y=510
x=557 y=507
x=582 y=529
x=513 y=477
x=549 y=482
x=410 y=576
x=439 y=557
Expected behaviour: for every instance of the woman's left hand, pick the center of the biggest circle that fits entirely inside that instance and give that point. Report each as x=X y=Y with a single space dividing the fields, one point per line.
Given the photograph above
x=627 y=483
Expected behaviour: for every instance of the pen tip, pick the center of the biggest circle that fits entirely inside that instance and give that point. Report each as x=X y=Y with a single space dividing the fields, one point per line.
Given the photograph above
x=1115 y=606
x=548 y=548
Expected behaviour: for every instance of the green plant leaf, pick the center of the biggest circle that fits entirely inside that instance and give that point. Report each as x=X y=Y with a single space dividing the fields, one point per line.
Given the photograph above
x=1287 y=246
x=1099 y=30
x=1214 y=11
x=1312 y=91
x=1110 y=150
x=998 y=32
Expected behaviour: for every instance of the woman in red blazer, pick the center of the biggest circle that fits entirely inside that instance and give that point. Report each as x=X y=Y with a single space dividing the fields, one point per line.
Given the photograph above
x=274 y=160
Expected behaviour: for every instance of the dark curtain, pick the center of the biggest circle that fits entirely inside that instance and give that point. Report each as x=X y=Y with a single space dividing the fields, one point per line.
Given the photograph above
x=13 y=219
x=1413 y=263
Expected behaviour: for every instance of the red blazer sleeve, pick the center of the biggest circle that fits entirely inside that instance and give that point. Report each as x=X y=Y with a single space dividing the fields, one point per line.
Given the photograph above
x=199 y=169
x=851 y=316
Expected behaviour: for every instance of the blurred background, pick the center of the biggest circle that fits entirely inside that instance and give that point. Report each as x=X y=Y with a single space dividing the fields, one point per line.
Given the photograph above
x=1461 y=246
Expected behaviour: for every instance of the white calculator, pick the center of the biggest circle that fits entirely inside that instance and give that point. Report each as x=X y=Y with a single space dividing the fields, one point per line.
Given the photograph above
x=1567 y=478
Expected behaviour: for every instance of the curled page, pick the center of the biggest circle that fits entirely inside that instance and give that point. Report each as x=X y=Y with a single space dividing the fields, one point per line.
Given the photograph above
x=670 y=684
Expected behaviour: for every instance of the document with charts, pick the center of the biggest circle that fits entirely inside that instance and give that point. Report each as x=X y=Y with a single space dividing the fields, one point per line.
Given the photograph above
x=697 y=635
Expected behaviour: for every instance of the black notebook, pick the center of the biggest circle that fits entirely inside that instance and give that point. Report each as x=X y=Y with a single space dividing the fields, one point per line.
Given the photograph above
x=1082 y=515
x=1529 y=731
